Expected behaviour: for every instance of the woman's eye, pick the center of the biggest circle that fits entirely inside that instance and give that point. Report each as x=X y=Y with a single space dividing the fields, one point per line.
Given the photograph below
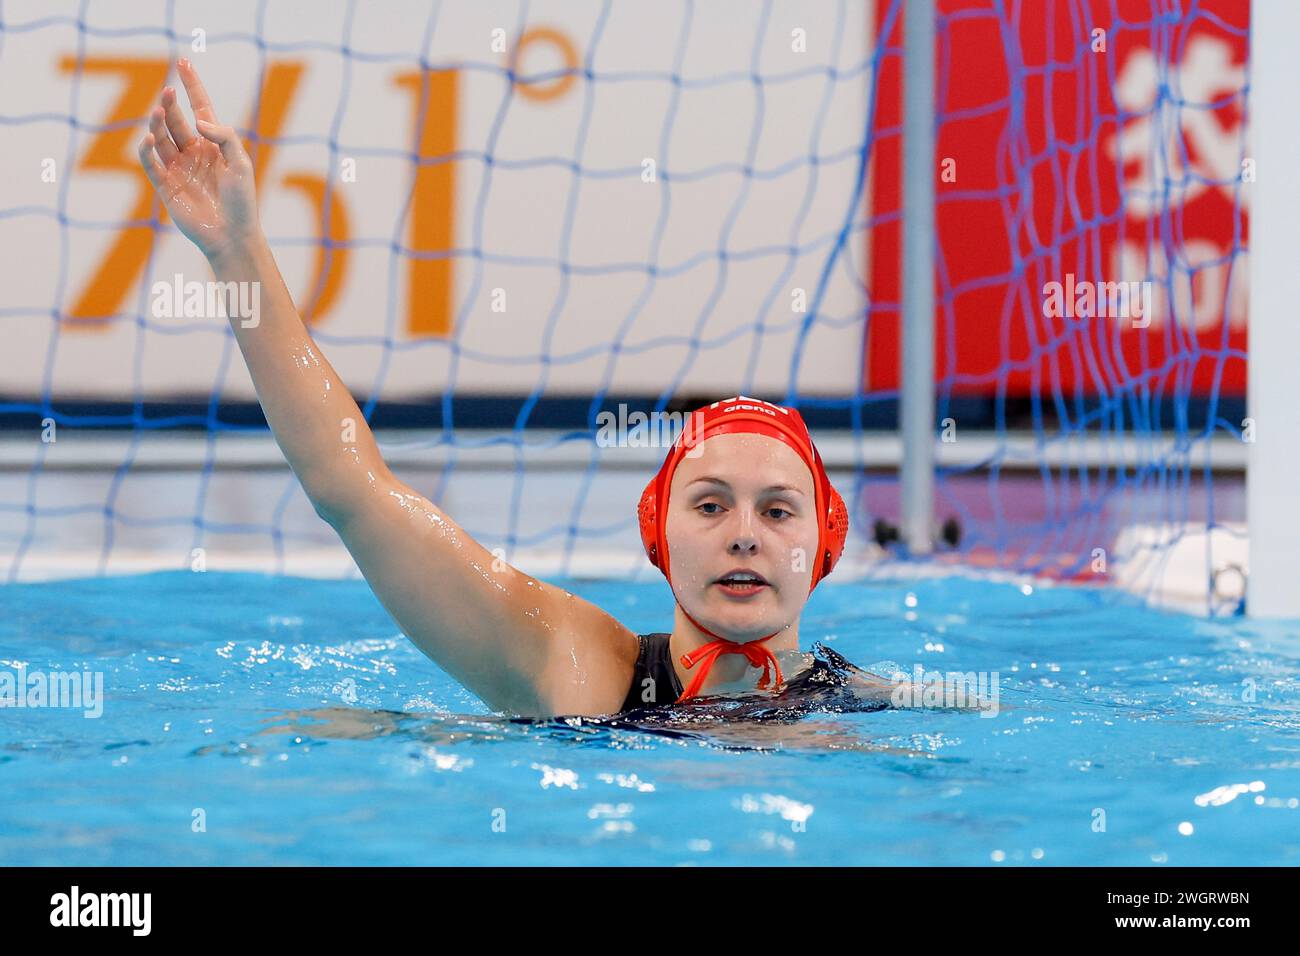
x=784 y=514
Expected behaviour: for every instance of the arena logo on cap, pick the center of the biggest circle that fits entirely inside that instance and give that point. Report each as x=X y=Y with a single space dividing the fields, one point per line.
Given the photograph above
x=755 y=405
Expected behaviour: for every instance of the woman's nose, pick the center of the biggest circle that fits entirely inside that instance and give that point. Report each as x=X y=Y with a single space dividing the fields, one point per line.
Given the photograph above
x=743 y=537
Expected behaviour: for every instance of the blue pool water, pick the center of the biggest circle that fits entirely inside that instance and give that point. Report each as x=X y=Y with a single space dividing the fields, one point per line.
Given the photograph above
x=251 y=719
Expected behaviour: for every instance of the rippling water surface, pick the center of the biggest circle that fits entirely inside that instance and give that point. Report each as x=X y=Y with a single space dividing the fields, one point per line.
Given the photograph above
x=250 y=719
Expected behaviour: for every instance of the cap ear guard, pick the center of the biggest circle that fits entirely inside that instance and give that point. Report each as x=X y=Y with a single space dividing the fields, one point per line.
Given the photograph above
x=837 y=531
x=647 y=515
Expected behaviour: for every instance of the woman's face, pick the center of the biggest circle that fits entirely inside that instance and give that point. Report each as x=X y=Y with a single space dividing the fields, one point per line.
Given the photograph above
x=744 y=501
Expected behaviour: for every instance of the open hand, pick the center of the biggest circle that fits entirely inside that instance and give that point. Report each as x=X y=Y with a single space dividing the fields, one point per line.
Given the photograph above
x=205 y=181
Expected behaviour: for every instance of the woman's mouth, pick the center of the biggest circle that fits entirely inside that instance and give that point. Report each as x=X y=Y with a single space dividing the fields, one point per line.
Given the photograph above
x=741 y=585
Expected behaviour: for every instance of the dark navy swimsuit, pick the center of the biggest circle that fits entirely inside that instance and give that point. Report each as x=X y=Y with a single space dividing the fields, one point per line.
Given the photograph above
x=825 y=686
x=654 y=680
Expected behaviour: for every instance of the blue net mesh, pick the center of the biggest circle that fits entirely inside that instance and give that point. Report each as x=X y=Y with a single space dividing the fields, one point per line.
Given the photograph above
x=1057 y=162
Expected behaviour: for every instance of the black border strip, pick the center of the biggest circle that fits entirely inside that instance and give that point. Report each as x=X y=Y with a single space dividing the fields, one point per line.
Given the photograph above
x=932 y=907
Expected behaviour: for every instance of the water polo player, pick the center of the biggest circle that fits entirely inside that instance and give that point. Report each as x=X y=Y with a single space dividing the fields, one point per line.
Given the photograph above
x=743 y=527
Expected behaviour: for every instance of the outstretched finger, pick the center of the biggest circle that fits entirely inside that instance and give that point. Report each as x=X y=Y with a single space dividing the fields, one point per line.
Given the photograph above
x=149 y=160
x=200 y=102
x=177 y=124
x=166 y=148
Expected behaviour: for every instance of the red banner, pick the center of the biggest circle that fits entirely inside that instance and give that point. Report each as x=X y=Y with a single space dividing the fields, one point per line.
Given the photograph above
x=1074 y=156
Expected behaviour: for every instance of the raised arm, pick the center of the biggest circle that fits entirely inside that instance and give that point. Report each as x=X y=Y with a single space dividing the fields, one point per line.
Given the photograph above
x=206 y=183
x=521 y=645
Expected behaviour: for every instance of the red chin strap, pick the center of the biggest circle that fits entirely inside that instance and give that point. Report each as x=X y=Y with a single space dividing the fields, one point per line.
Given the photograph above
x=732 y=416
x=708 y=654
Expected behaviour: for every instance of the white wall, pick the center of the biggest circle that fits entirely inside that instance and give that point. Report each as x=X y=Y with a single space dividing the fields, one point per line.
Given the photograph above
x=609 y=126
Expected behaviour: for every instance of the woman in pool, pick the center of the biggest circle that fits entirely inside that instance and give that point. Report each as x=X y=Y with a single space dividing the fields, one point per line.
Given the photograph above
x=742 y=495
